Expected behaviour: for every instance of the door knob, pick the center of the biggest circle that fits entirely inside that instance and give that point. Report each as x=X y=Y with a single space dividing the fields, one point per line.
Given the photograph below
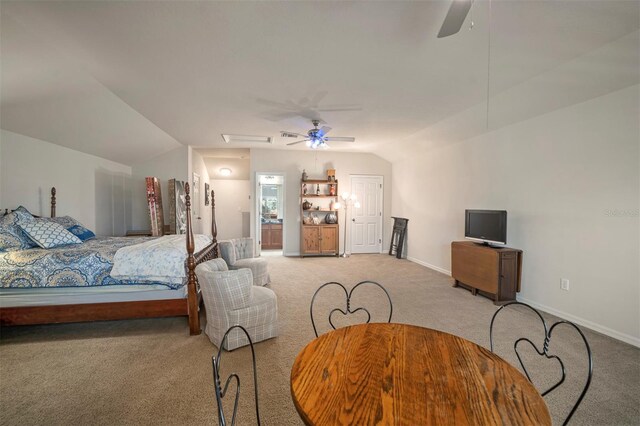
x=353 y=220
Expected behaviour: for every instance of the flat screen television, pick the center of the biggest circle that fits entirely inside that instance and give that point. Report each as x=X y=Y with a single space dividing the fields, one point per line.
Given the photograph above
x=486 y=226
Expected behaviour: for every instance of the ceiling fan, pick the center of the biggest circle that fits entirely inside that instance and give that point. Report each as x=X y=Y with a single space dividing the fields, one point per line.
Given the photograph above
x=316 y=138
x=455 y=17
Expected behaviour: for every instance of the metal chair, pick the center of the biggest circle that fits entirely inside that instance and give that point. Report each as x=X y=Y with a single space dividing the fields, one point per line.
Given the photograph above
x=545 y=352
x=221 y=392
x=348 y=310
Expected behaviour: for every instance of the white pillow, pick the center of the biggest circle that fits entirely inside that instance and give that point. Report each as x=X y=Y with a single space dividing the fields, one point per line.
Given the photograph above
x=48 y=234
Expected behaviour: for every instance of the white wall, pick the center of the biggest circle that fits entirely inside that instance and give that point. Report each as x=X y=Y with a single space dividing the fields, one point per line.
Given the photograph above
x=95 y=191
x=202 y=225
x=570 y=183
x=232 y=198
x=291 y=164
x=170 y=165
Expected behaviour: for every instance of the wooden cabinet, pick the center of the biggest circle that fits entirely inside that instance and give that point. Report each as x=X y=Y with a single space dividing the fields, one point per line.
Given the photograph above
x=320 y=238
x=271 y=237
x=494 y=271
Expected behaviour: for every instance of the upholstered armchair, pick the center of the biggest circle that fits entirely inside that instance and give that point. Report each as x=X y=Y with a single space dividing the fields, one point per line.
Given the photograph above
x=230 y=298
x=240 y=253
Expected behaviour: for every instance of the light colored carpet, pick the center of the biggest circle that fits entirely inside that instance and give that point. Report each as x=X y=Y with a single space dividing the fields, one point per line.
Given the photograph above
x=152 y=372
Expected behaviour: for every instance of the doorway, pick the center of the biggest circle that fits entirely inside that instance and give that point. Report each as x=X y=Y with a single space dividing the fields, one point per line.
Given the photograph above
x=270 y=213
x=366 y=221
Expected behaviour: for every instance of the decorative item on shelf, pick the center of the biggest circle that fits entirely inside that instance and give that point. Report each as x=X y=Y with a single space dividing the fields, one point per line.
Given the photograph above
x=332 y=190
x=304 y=189
x=307 y=220
x=306 y=205
x=318 y=189
x=316 y=219
x=331 y=175
x=317 y=207
x=304 y=175
x=331 y=218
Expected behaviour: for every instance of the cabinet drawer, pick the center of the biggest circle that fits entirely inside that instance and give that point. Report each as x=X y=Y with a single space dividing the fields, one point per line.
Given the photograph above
x=475 y=266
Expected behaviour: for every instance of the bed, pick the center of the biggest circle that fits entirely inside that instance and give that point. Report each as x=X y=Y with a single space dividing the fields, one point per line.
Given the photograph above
x=74 y=283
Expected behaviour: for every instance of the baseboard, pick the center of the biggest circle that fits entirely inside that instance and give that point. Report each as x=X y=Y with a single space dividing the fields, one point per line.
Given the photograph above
x=583 y=322
x=428 y=265
x=635 y=341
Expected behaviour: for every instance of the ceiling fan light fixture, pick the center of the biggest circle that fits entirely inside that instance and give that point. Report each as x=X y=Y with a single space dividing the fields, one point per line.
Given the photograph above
x=316 y=138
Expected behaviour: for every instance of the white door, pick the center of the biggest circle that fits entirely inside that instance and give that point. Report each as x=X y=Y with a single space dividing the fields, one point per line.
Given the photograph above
x=366 y=221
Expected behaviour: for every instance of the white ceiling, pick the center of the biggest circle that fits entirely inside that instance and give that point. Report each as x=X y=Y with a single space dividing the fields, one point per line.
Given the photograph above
x=124 y=80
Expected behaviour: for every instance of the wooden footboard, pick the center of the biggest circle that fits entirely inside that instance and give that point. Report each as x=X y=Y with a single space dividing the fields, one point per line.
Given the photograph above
x=128 y=310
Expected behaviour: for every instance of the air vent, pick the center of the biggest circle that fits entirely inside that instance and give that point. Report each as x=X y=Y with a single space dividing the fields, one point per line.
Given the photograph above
x=288 y=135
x=247 y=139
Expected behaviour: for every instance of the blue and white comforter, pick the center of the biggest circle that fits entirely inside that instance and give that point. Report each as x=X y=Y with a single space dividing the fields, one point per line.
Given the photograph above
x=157 y=260
x=80 y=265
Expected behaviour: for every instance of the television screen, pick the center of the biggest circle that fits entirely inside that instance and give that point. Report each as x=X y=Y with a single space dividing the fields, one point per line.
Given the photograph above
x=487 y=226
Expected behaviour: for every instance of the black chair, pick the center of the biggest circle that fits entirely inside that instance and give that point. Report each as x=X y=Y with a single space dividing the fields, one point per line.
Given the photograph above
x=348 y=295
x=221 y=392
x=545 y=352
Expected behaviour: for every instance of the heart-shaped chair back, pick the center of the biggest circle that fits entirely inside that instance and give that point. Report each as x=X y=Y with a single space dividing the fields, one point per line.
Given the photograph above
x=339 y=314
x=544 y=352
x=222 y=391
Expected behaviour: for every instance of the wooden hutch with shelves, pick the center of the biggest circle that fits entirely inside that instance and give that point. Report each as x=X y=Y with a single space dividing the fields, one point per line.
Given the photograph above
x=320 y=238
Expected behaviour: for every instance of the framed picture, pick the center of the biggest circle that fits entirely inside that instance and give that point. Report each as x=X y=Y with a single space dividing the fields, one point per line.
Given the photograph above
x=206 y=194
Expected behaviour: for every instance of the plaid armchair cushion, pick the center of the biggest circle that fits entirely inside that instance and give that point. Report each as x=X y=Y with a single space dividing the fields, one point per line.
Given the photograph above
x=231 y=289
x=244 y=248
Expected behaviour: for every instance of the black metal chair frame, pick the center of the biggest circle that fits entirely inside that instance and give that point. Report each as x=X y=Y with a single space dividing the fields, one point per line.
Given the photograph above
x=348 y=309
x=220 y=391
x=545 y=352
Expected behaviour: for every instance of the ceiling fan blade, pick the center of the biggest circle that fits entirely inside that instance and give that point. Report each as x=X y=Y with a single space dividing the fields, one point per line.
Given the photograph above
x=340 y=139
x=278 y=115
x=324 y=130
x=272 y=103
x=337 y=108
x=455 y=17
x=296 y=142
x=315 y=100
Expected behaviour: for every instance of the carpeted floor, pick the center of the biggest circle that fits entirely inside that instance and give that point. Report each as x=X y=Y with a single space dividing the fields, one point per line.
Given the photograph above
x=153 y=372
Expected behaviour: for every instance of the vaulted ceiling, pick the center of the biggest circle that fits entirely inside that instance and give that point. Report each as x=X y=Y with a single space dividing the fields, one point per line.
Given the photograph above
x=126 y=80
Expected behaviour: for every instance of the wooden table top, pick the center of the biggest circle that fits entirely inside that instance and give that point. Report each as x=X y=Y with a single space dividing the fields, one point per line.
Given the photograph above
x=399 y=374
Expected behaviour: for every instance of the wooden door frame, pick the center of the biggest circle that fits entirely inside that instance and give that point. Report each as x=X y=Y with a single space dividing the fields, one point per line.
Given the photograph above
x=258 y=210
x=380 y=218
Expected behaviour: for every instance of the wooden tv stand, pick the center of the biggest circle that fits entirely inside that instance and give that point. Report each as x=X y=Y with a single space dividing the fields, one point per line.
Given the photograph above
x=493 y=271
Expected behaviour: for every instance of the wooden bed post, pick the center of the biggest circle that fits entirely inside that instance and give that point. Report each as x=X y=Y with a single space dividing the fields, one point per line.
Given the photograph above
x=192 y=291
x=214 y=226
x=53 y=201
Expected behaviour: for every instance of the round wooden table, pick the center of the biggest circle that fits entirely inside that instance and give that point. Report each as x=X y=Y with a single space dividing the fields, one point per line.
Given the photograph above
x=399 y=374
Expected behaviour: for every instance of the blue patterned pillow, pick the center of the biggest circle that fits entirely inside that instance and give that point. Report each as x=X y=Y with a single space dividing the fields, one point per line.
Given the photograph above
x=11 y=235
x=73 y=226
x=48 y=234
x=81 y=232
x=66 y=221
